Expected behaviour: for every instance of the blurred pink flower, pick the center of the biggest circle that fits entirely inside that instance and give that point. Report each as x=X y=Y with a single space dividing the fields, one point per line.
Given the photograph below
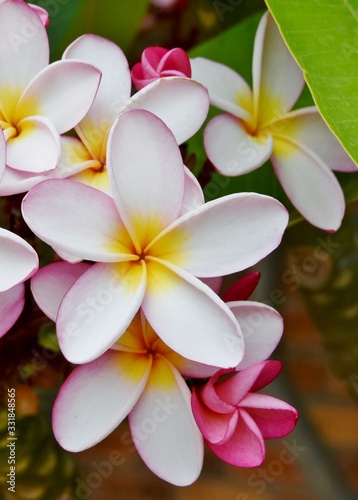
x=158 y=62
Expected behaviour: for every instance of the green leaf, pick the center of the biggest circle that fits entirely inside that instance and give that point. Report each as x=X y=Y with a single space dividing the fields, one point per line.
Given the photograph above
x=323 y=37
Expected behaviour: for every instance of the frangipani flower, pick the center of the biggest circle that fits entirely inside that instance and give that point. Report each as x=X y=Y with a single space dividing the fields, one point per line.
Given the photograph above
x=18 y=262
x=38 y=102
x=257 y=125
x=235 y=420
x=141 y=377
x=157 y=62
x=181 y=103
x=149 y=255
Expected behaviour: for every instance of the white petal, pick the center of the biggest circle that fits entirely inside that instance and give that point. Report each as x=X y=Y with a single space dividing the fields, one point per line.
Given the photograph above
x=309 y=183
x=223 y=236
x=181 y=103
x=12 y=302
x=163 y=427
x=37 y=148
x=193 y=194
x=307 y=127
x=51 y=283
x=146 y=169
x=113 y=93
x=18 y=260
x=24 y=51
x=77 y=219
x=277 y=79
x=96 y=397
x=262 y=328
x=63 y=92
x=98 y=308
x=227 y=89
x=232 y=149
x=190 y=318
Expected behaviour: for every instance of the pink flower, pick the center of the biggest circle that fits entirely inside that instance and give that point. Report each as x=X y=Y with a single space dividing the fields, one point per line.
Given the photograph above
x=18 y=262
x=235 y=420
x=158 y=62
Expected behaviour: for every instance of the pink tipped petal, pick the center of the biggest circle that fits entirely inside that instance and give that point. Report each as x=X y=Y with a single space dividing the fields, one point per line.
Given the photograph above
x=96 y=397
x=74 y=158
x=18 y=260
x=98 y=308
x=63 y=92
x=181 y=103
x=175 y=60
x=224 y=236
x=262 y=328
x=193 y=194
x=37 y=148
x=232 y=149
x=146 y=168
x=42 y=13
x=242 y=288
x=51 y=283
x=309 y=183
x=215 y=427
x=12 y=302
x=210 y=397
x=274 y=417
x=234 y=388
x=245 y=448
x=204 y=330
x=113 y=92
x=15 y=181
x=70 y=217
x=163 y=427
x=268 y=371
x=277 y=79
x=307 y=127
x=227 y=89
x=24 y=51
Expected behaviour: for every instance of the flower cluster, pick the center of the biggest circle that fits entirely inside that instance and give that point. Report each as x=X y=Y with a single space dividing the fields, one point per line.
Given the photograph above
x=138 y=254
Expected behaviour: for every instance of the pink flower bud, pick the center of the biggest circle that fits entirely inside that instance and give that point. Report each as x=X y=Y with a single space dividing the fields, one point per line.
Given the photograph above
x=158 y=62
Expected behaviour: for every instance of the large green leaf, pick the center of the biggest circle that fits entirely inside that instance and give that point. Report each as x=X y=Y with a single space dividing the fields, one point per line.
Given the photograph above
x=323 y=37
